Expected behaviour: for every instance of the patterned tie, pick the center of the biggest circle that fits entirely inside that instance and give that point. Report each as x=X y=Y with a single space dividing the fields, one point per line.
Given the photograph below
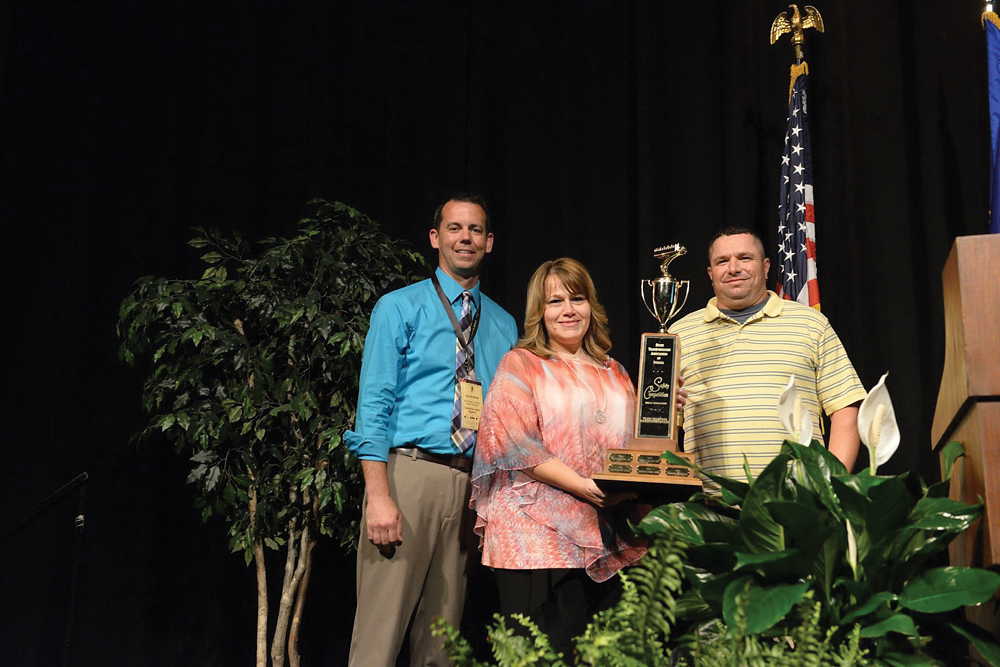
x=465 y=368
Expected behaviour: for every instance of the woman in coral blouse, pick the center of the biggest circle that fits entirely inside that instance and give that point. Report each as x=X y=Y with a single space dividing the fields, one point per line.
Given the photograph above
x=557 y=403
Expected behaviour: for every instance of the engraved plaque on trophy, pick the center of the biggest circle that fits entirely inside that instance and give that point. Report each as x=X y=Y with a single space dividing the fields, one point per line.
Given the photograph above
x=631 y=469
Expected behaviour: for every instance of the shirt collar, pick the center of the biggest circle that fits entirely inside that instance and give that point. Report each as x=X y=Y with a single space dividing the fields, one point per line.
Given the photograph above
x=772 y=308
x=453 y=290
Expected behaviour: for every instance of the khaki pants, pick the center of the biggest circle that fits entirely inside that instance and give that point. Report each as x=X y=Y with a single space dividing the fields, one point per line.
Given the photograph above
x=425 y=577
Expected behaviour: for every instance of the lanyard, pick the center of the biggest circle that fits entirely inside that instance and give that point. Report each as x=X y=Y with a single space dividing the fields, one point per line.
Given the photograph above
x=454 y=320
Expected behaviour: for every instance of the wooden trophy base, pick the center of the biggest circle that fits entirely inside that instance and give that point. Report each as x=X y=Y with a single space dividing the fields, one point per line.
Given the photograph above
x=640 y=469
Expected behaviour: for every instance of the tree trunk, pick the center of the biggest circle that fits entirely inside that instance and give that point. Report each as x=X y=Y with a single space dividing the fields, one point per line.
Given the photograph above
x=294 y=566
x=300 y=601
x=258 y=558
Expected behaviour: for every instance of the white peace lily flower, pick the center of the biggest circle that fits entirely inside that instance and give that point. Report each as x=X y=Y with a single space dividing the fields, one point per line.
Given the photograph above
x=877 y=425
x=852 y=549
x=794 y=415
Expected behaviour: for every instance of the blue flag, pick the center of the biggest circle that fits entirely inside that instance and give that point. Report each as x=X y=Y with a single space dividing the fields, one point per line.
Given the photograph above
x=990 y=24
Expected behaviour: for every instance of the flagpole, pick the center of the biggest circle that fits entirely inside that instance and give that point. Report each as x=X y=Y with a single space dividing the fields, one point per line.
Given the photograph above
x=797 y=278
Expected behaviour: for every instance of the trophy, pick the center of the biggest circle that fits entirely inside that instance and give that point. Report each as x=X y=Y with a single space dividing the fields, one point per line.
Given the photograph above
x=640 y=465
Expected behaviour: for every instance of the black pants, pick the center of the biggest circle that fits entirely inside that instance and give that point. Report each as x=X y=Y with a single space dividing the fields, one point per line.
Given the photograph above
x=560 y=602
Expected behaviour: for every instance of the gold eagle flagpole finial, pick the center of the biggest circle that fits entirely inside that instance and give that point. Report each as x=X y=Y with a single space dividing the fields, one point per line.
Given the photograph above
x=796 y=24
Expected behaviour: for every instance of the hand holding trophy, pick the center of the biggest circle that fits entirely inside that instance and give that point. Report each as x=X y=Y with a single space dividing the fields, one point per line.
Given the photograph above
x=655 y=419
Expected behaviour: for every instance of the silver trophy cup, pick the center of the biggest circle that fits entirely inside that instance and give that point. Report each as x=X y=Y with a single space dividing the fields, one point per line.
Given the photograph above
x=667 y=295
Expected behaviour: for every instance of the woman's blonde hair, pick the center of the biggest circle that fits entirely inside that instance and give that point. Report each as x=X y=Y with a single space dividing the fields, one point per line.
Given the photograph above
x=574 y=276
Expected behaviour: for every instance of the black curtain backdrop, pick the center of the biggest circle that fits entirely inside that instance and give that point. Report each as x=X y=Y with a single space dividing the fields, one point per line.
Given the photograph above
x=596 y=130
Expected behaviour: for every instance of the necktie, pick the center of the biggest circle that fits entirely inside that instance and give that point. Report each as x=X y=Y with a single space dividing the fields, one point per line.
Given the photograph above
x=465 y=368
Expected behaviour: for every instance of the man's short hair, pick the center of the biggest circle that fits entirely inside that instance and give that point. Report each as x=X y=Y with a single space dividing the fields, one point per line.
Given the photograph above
x=466 y=197
x=736 y=231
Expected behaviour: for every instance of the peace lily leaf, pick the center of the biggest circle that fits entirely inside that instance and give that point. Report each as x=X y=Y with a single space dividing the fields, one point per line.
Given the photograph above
x=794 y=415
x=877 y=425
x=873 y=603
x=821 y=550
x=782 y=563
x=982 y=640
x=691 y=606
x=737 y=488
x=764 y=605
x=761 y=533
x=890 y=506
x=951 y=453
x=899 y=659
x=900 y=623
x=817 y=473
x=943 y=514
x=945 y=588
x=863 y=484
x=797 y=518
x=713 y=557
x=694 y=520
x=854 y=505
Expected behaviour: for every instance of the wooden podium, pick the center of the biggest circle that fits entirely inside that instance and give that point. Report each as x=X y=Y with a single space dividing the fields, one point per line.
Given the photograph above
x=968 y=405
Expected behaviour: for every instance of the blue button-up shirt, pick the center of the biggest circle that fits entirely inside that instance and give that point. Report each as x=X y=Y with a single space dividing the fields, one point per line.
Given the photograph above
x=407 y=385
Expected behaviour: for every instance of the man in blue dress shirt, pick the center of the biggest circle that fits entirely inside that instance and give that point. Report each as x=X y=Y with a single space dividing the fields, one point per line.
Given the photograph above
x=430 y=355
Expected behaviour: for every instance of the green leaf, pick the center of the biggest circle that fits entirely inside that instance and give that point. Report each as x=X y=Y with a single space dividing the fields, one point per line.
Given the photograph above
x=764 y=605
x=900 y=623
x=211 y=257
x=982 y=640
x=817 y=470
x=760 y=532
x=871 y=604
x=949 y=454
x=177 y=308
x=167 y=421
x=943 y=514
x=739 y=489
x=900 y=659
x=206 y=456
x=787 y=563
x=946 y=588
x=324 y=497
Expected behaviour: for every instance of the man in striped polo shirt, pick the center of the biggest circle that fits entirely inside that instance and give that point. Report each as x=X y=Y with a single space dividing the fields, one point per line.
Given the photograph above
x=737 y=354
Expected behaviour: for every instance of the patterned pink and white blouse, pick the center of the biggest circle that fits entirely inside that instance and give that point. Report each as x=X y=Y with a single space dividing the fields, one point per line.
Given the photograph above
x=538 y=409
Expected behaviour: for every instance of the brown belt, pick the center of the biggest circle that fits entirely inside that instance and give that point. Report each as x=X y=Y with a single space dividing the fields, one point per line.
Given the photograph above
x=463 y=463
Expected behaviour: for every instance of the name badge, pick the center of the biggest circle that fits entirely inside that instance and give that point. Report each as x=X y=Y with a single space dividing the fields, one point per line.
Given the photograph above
x=472 y=403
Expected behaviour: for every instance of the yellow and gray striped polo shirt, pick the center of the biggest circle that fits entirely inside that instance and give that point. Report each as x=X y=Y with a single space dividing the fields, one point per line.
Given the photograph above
x=735 y=373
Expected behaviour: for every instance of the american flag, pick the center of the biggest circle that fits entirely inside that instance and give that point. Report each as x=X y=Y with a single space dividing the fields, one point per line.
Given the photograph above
x=796 y=217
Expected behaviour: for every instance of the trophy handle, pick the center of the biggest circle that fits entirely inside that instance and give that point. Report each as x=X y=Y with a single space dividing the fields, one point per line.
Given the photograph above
x=642 y=293
x=683 y=286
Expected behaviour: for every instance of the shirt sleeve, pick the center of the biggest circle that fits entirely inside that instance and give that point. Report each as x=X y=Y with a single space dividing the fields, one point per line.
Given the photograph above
x=385 y=345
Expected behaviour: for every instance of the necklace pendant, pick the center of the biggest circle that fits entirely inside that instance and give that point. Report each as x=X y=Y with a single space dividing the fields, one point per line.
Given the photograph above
x=599 y=416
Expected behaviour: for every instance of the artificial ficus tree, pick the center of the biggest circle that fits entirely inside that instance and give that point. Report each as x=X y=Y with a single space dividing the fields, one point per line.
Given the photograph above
x=252 y=373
